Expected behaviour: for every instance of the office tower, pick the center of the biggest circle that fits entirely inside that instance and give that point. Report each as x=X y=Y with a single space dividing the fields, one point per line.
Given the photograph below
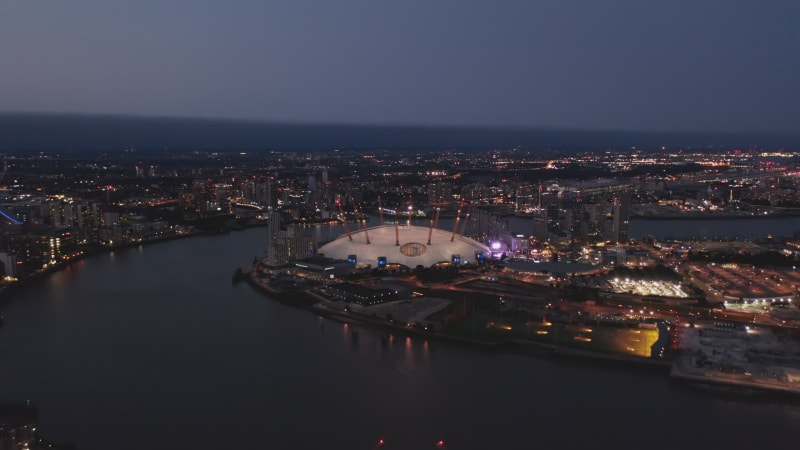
x=540 y=226
x=621 y=211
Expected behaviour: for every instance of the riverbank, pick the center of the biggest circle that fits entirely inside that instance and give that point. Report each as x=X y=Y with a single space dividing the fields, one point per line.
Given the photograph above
x=97 y=249
x=317 y=304
x=746 y=385
x=312 y=302
x=645 y=212
x=703 y=216
x=136 y=337
x=86 y=251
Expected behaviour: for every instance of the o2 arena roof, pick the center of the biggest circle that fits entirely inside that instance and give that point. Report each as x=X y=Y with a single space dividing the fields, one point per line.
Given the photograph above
x=413 y=250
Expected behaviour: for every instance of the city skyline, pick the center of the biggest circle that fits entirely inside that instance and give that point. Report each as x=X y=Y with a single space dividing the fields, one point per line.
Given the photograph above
x=620 y=65
x=116 y=273
x=360 y=224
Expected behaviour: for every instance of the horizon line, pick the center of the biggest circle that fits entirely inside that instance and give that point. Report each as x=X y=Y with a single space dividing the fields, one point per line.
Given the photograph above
x=396 y=125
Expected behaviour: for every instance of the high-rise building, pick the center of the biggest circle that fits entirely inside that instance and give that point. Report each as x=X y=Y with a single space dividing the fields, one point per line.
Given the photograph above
x=9 y=264
x=482 y=225
x=621 y=211
x=273 y=233
x=312 y=183
x=286 y=243
x=527 y=197
x=325 y=176
x=625 y=215
x=540 y=226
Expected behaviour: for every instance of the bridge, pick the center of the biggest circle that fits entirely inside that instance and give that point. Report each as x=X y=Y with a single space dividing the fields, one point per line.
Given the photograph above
x=8 y=216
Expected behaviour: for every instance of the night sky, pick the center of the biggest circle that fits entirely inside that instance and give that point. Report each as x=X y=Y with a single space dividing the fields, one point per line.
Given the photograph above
x=728 y=65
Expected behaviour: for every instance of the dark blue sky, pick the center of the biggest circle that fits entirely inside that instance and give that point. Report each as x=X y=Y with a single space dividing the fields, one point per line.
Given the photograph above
x=728 y=65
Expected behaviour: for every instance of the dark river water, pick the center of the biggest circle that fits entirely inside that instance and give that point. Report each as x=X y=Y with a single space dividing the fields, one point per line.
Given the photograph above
x=154 y=348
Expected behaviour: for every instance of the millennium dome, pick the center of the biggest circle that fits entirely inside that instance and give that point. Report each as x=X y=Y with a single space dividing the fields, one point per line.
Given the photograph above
x=407 y=245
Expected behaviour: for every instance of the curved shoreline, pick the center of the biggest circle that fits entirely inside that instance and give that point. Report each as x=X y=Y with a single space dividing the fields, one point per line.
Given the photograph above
x=308 y=301
x=5 y=294
x=303 y=299
x=312 y=302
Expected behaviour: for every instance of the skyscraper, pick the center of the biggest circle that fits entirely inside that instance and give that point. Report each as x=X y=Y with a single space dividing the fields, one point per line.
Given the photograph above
x=621 y=212
x=286 y=243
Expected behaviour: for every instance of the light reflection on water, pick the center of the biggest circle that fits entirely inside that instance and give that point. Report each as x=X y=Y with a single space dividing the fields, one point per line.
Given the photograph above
x=406 y=355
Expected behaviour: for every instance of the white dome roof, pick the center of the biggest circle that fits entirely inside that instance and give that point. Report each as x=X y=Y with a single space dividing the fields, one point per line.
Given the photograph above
x=412 y=251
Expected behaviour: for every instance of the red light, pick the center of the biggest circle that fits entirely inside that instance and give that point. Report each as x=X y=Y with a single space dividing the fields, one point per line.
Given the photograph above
x=380 y=442
x=440 y=443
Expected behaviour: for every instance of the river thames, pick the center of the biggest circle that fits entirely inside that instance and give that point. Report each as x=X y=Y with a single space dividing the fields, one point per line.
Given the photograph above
x=154 y=348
